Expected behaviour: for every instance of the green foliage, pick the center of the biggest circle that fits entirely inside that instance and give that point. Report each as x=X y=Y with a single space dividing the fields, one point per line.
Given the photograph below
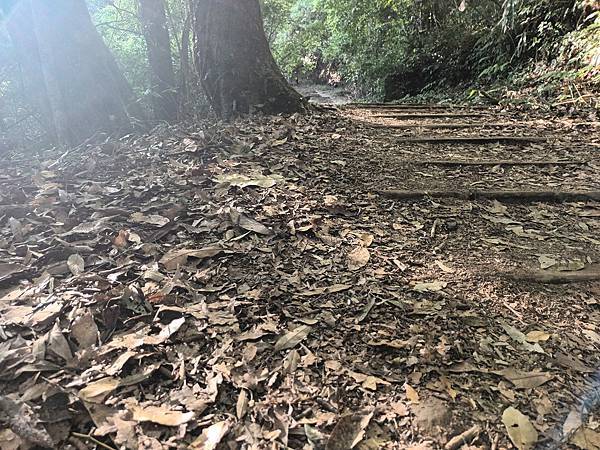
x=118 y=23
x=434 y=41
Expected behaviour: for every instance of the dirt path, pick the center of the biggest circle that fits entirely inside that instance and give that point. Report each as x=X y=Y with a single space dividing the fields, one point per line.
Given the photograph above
x=325 y=94
x=256 y=285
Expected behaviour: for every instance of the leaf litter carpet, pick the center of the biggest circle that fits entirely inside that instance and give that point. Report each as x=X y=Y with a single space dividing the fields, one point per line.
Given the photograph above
x=252 y=285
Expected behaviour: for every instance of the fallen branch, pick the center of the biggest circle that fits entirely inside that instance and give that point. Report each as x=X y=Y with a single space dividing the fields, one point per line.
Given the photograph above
x=416 y=106
x=523 y=196
x=443 y=126
x=425 y=115
x=463 y=438
x=474 y=139
x=496 y=163
x=549 y=277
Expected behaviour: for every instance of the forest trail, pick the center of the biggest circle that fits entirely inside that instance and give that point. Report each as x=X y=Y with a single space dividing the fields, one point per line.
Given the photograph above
x=291 y=283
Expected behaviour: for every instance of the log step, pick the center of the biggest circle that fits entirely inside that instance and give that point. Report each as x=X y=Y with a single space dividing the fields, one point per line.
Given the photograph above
x=515 y=196
x=474 y=139
x=554 y=277
x=446 y=126
x=437 y=162
x=412 y=106
x=425 y=115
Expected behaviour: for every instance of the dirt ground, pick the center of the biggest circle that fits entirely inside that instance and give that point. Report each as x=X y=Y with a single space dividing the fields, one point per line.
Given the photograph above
x=256 y=285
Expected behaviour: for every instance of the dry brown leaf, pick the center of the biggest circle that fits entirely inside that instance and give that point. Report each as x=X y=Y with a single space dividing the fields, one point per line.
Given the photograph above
x=411 y=394
x=57 y=344
x=520 y=429
x=358 y=258
x=249 y=180
x=152 y=219
x=76 y=264
x=242 y=404
x=247 y=223
x=97 y=391
x=120 y=241
x=572 y=422
x=348 y=432
x=292 y=338
x=518 y=336
x=179 y=257
x=525 y=380
x=326 y=290
x=211 y=436
x=537 y=336
x=434 y=286
x=444 y=267
x=84 y=330
x=161 y=415
x=586 y=439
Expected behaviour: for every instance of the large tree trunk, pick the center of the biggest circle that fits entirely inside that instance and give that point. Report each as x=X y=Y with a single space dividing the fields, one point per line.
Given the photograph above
x=236 y=66
x=156 y=33
x=68 y=71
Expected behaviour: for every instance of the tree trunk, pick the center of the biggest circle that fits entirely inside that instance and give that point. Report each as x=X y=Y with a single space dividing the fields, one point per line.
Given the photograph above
x=158 y=43
x=69 y=73
x=236 y=66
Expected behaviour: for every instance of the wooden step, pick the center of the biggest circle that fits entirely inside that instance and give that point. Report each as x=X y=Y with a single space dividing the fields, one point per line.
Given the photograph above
x=513 y=195
x=444 y=126
x=452 y=163
x=424 y=115
x=411 y=106
x=473 y=139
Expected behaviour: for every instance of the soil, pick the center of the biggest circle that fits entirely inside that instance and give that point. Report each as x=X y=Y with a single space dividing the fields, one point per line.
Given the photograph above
x=248 y=285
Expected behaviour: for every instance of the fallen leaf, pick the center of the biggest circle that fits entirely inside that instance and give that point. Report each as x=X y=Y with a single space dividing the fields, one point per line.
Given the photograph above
x=586 y=439
x=326 y=290
x=546 y=262
x=121 y=240
x=592 y=335
x=525 y=380
x=520 y=429
x=348 y=432
x=249 y=180
x=358 y=258
x=8 y=269
x=519 y=337
x=572 y=422
x=211 y=436
x=411 y=394
x=537 y=336
x=153 y=219
x=178 y=257
x=242 y=404
x=246 y=223
x=444 y=267
x=570 y=266
x=292 y=338
x=161 y=416
x=571 y=362
x=85 y=330
x=57 y=344
x=434 y=286
x=97 y=391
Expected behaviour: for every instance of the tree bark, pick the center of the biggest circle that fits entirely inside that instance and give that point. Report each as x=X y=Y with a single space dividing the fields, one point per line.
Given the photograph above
x=237 y=69
x=70 y=75
x=158 y=43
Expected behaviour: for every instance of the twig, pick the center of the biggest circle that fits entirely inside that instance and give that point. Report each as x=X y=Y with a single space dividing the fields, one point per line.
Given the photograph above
x=93 y=439
x=463 y=438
